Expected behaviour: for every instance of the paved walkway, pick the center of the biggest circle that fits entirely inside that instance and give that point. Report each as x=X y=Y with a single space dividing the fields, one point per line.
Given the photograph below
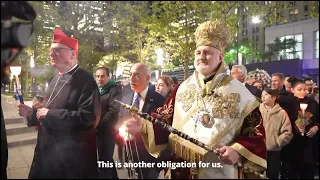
x=9 y=107
x=20 y=160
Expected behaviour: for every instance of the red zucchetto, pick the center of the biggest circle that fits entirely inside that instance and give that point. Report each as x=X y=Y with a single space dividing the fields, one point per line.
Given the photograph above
x=60 y=37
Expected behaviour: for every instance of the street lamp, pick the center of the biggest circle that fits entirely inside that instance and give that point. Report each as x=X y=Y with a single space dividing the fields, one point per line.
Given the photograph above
x=240 y=12
x=33 y=79
x=160 y=58
x=47 y=85
x=237 y=62
x=255 y=20
x=32 y=62
x=15 y=71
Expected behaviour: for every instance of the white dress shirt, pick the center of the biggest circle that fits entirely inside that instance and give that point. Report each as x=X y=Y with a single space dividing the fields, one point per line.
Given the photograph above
x=143 y=95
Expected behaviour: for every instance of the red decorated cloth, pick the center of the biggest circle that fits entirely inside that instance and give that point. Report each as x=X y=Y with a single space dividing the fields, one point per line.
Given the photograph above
x=256 y=143
x=120 y=140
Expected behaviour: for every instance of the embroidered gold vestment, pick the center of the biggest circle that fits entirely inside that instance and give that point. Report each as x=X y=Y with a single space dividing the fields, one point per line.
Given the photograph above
x=229 y=106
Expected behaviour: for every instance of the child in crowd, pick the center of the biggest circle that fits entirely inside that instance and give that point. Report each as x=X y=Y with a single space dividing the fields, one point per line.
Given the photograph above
x=278 y=130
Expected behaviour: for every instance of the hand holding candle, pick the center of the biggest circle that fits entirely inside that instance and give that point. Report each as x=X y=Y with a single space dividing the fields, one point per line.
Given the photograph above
x=303 y=107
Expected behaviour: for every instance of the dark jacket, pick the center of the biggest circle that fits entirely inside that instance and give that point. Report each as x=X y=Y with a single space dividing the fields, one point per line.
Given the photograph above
x=153 y=100
x=109 y=108
x=255 y=91
x=286 y=100
x=300 y=147
x=66 y=144
x=152 y=87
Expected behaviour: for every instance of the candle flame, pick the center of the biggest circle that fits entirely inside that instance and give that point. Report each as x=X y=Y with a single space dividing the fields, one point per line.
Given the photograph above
x=303 y=106
x=123 y=132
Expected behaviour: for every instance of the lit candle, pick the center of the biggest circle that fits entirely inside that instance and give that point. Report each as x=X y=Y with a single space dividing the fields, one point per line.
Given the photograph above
x=303 y=107
x=123 y=132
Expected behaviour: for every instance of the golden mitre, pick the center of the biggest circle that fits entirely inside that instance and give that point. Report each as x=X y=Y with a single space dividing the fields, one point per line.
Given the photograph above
x=213 y=33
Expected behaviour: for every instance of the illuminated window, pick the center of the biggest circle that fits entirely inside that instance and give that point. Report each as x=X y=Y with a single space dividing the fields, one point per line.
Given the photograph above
x=291 y=3
x=294 y=11
x=266 y=2
x=244 y=32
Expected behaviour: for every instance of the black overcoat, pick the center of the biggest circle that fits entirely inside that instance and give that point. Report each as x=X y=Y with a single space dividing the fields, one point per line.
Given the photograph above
x=66 y=144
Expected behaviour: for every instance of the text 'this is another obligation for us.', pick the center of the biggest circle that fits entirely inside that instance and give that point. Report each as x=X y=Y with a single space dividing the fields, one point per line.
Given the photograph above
x=168 y=164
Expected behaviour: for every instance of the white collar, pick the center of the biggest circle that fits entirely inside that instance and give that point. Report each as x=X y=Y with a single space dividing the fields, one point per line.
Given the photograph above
x=70 y=69
x=143 y=93
x=205 y=77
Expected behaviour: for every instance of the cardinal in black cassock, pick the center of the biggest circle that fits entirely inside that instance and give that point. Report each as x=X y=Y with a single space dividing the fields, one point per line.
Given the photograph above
x=66 y=144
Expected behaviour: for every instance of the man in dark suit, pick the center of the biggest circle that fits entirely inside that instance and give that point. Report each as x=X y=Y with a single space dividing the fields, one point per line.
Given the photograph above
x=286 y=99
x=239 y=72
x=152 y=86
x=109 y=91
x=139 y=94
x=67 y=120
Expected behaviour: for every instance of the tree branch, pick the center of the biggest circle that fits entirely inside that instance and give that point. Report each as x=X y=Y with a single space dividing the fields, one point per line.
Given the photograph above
x=231 y=7
x=270 y=10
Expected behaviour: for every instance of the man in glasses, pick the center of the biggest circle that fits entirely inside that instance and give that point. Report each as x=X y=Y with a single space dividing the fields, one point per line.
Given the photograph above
x=67 y=120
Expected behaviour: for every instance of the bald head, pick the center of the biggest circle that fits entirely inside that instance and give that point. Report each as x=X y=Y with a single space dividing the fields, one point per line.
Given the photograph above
x=142 y=67
x=140 y=76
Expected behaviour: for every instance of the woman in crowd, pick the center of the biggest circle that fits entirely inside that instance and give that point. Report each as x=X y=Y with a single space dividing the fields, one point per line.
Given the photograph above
x=164 y=86
x=278 y=130
x=301 y=152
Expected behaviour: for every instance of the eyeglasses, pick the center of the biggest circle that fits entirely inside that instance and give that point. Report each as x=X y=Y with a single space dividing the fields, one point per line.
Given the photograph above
x=58 y=50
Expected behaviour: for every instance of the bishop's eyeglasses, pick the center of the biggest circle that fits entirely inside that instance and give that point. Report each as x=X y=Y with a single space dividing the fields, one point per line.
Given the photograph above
x=58 y=50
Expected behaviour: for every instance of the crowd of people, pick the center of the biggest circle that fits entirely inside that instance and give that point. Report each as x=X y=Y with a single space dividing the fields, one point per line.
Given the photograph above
x=241 y=118
x=292 y=145
x=248 y=125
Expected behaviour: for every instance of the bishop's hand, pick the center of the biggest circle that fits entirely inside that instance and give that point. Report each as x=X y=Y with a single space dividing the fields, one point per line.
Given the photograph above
x=25 y=110
x=41 y=113
x=134 y=125
x=36 y=103
x=229 y=155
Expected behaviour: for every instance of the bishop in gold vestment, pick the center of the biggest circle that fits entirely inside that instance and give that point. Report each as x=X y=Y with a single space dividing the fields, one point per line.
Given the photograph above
x=213 y=108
